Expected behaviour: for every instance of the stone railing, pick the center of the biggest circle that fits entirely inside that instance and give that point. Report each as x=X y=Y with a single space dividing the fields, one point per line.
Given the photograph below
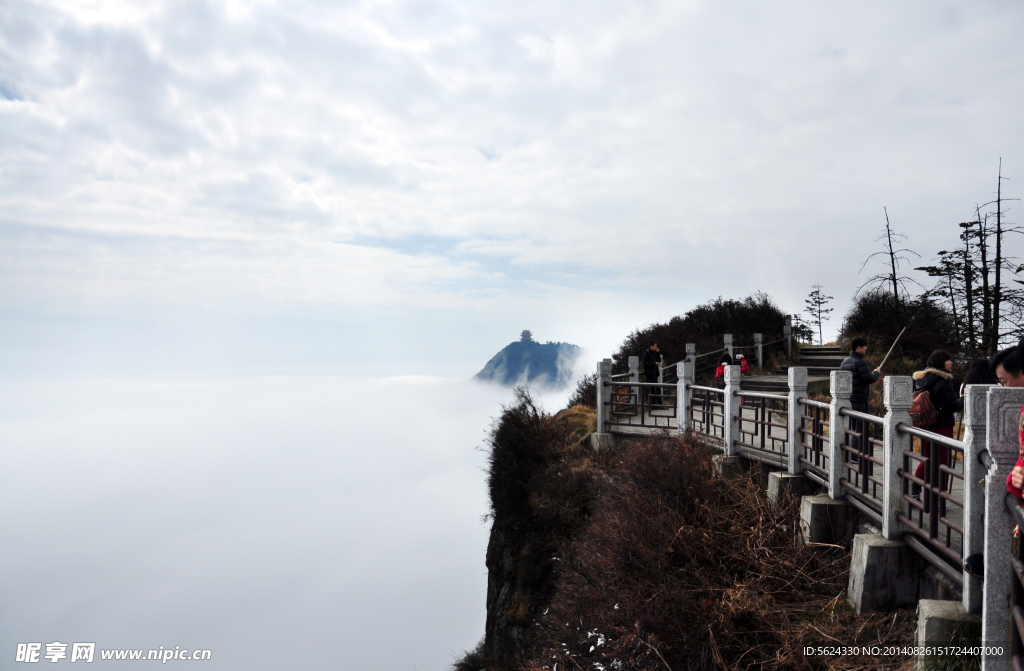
x=870 y=463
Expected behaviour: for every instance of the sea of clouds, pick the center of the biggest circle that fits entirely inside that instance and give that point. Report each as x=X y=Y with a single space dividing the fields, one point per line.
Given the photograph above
x=281 y=522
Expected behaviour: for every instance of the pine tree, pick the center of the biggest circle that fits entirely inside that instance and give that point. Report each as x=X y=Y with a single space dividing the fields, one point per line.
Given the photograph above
x=816 y=302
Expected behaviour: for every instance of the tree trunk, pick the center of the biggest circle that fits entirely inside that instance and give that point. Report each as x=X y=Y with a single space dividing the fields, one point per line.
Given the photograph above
x=986 y=295
x=997 y=290
x=972 y=342
x=892 y=262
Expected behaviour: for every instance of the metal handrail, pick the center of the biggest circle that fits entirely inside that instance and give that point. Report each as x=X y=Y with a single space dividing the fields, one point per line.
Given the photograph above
x=760 y=394
x=700 y=388
x=710 y=354
x=814 y=404
x=935 y=438
x=863 y=416
x=765 y=456
x=935 y=560
x=638 y=384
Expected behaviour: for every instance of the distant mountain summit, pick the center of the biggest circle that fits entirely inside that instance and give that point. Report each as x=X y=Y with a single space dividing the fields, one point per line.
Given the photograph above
x=527 y=361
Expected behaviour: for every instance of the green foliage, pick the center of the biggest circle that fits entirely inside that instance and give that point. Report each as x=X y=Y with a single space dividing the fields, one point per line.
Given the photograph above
x=816 y=302
x=874 y=315
x=520 y=448
x=704 y=325
x=585 y=393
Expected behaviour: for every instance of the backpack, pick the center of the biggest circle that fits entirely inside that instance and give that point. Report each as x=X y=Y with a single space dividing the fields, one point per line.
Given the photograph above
x=922 y=411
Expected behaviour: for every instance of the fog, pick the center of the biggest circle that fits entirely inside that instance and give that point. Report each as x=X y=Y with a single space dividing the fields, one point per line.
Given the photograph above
x=281 y=522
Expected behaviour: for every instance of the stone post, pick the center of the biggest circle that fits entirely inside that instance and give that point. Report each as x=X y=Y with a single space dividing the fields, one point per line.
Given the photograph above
x=634 y=369
x=797 y=391
x=732 y=409
x=757 y=348
x=840 y=386
x=975 y=402
x=684 y=395
x=1003 y=415
x=787 y=333
x=728 y=343
x=898 y=395
x=691 y=351
x=604 y=393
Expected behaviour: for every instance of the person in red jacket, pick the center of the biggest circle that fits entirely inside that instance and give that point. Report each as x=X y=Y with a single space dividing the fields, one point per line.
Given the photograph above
x=726 y=360
x=1007 y=367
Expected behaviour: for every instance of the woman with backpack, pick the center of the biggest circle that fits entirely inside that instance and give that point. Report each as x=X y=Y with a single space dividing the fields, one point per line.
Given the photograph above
x=937 y=380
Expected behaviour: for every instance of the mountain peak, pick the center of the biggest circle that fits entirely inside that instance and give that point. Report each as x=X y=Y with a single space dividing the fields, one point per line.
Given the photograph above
x=530 y=362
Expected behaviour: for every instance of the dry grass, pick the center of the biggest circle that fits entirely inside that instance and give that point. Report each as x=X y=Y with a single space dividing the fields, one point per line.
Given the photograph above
x=682 y=570
x=643 y=558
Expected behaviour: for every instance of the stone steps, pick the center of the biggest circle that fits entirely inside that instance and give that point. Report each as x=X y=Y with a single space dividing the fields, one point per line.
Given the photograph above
x=823 y=349
x=828 y=364
x=820 y=360
x=779 y=384
x=829 y=359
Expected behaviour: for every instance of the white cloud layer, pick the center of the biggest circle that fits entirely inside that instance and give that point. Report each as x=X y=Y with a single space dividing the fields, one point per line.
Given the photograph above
x=255 y=156
x=254 y=517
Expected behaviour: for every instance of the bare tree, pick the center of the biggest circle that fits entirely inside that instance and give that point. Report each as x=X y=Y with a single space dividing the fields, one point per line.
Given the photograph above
x=895 y=257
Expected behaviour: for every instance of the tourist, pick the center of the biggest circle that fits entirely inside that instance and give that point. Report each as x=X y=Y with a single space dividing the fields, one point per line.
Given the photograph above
x=651 y=362
x=978 y=373
x=726 y=360
x=863 y=378
x=937 y=380
x=1007 y=367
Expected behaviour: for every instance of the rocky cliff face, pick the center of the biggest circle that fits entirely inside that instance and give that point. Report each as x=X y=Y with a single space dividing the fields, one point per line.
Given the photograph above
x=503 y=637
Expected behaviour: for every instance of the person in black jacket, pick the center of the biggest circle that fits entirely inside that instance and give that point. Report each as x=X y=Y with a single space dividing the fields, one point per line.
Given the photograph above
x=937 y=380
x=651 y=361
x=863 y=378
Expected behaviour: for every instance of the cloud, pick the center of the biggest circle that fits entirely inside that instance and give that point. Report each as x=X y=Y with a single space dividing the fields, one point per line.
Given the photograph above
x=236 y=148
x=249 y=517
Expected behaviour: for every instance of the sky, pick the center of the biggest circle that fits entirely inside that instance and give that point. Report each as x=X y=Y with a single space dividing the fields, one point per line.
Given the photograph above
x=251 y=252
x=401 y=187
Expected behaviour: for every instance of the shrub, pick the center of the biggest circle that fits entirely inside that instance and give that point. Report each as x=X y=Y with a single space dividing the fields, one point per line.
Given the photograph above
x=586 y=392
x=705 y=325
x=680 y=569
x=642 y=557
x=874 y=317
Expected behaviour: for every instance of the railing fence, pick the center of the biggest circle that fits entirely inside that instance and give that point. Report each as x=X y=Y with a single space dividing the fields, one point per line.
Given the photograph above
x=951 y=511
